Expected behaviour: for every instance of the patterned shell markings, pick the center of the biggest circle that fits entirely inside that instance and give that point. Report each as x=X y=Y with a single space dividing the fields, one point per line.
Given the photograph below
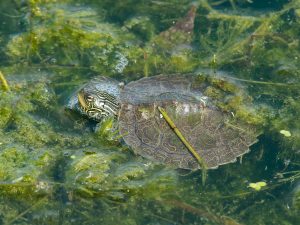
x=203 y=125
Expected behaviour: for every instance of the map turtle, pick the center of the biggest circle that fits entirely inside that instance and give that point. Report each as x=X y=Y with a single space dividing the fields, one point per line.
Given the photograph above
x=216 y=136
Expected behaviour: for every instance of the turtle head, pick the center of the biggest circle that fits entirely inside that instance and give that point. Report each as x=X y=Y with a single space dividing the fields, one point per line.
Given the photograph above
x=97 y=105
x=97 y=99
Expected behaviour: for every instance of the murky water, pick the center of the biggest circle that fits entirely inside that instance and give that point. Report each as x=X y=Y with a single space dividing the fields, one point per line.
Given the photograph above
x=55 y=169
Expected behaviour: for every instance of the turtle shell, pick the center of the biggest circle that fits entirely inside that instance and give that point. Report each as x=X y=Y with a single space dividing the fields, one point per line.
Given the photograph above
x=209 y=130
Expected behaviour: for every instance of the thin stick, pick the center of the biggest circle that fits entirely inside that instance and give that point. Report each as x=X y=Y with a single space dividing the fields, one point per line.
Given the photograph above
x=26 y=211
x=4 y=82
x=204 y=213
x=185 y=142
x=264 y=82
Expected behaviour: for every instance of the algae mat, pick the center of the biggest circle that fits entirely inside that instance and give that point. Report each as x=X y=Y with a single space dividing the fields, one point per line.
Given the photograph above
x=54 y=169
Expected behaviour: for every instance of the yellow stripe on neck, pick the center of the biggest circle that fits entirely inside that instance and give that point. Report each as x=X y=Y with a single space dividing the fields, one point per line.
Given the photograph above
x=81 y=100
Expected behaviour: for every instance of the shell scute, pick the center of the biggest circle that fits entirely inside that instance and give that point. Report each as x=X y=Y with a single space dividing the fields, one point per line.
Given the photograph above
x=207 y=129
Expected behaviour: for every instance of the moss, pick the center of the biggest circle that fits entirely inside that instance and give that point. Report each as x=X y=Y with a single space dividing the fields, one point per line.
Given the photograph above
x=231 y=98
x=107 y=131
x=5 y=113
x=213 y=93
x=223 y=85
x=11 y=156
x=51 y=42
x=181 y=63
x=168 y=41
x=142 y=26
x=250 y=116
x=89 y=171
x=130 y=171
x=42 y=95
x=162 y=14
x=114 y=178
x=18 y=174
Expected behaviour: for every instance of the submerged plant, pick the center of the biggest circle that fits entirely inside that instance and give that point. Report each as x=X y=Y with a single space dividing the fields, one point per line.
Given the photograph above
x=72 y=37
x=58 y=170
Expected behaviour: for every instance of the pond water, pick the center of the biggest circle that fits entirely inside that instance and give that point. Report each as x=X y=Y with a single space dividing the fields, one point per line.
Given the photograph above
x=54 y=167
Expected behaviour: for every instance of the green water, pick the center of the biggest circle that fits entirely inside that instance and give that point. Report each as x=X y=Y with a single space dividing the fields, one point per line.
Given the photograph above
x=54 y=169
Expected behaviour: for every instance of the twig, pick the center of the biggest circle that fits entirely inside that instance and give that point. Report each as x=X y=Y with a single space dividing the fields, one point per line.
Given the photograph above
x=264 y=82
x=4 y=82
x=201 y=212
x=185 y=142
x=26 y=211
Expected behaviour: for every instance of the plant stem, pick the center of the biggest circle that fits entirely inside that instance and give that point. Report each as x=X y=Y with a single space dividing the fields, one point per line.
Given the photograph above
x=185 y=142
x=4 y=82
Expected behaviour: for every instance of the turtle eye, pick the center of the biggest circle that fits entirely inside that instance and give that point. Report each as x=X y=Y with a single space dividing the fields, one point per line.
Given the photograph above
x=90 y=98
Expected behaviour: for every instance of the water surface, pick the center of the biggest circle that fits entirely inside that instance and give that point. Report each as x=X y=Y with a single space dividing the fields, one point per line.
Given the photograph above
x=54 y=169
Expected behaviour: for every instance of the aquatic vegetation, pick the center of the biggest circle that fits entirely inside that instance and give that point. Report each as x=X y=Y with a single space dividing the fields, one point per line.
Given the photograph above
x=141 y=26
x=4 y=83
x=57 y=170
x=230 y=97
x=248 y=41
x=161 y=13
x=29 y=166
x=116 y=177
x=51 y=41
x=21 y=174
x=286 y=133
x=258 y=185
x=264 y=51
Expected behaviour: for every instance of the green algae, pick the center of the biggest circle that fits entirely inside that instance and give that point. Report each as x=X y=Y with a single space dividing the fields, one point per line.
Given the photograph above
x=55 y=170
x=230 y=97
x=52 y=40
x=116 y=177
x=141 y=26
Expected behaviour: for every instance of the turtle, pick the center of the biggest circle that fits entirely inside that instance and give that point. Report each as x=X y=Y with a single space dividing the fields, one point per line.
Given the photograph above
x=216 y=135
